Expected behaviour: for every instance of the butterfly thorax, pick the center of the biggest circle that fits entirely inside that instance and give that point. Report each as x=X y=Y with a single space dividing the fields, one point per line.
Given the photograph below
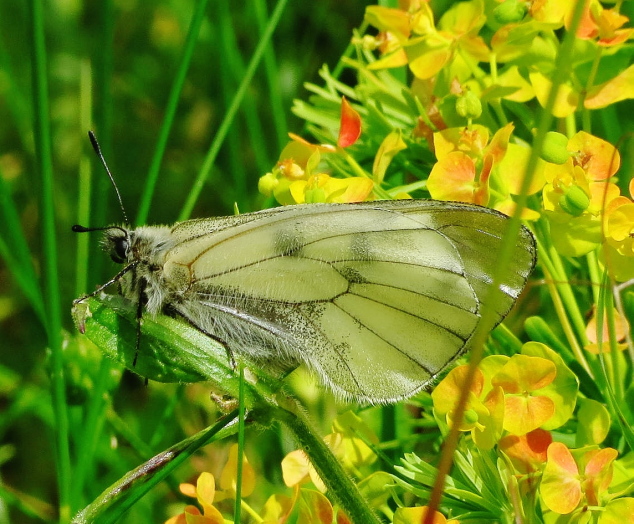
x=144 y=251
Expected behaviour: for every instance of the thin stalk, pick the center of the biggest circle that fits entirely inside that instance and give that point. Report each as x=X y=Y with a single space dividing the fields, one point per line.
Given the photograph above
x=103 y=70
x=273 y=79
x=15 y=98
x=233 y=64
x=565 y=324
x=585 y=114
x=252 y=513
x=561 y=72
x=571 y=125
x=388 y=429
x=608 y=311
x=49 y=253
x=593 y=270
x=239 y=467
x=549 y=255
x=612 y=390
x=260 y=399
x=26 y=505
x=167 y=416
x=170 y=111
x=90 y=431
x=14 y=250
x=108 y=507
x=349 y=50
x=360 y=172
x=203 y=175
x=340 y=486
x=561 y=280
x=563 y=300
x=618 y=302
x=85 y=187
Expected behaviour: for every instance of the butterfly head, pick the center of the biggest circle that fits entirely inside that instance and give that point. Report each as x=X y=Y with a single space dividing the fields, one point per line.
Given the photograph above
x=117 y=242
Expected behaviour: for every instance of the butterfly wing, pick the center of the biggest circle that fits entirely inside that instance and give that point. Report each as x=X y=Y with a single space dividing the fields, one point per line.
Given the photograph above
x=377 y=298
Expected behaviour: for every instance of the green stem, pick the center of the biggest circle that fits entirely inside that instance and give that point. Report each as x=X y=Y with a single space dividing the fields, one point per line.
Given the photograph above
x=389 y=424
x=585 y=113
x=203 y=175
x=273 y=79
x=340 y=486
x=593 y=270
x=170 y=111
x=49 y=250
x=167 y=416
x=549 y=255
x=618 y=302
x=103 y=69
x=562 y=71
x=561 y=280
x=114 y=330
x=85 y=187
x=360 y=172
x=113 y=502
x=346 y=54
x=563 y=300
x=493 y=65
x=571 y=125
x=237 y=514
x=252 y=513
x=90 y=431
x=608 y=311
x=14 y=250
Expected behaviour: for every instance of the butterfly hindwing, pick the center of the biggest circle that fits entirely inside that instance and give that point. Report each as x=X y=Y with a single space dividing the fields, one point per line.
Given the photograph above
x=377 y=298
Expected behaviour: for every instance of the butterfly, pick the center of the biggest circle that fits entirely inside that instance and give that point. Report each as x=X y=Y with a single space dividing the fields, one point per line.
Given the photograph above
x=376 y=298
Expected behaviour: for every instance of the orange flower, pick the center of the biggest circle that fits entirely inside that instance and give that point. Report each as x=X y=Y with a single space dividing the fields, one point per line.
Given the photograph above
x=567 y=481
x=350 y=125
x=527 y=452
x=602 y=25
x=466 y=159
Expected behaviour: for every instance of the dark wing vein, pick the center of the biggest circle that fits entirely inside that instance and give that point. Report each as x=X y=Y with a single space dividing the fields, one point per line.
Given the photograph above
x=405 y=312
x=306 y=244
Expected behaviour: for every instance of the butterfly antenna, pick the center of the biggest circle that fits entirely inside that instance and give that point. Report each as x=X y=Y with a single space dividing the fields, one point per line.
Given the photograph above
x=95 y=146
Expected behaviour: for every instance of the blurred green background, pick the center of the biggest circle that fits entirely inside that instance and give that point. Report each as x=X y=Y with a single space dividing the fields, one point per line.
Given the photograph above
x=110 y=66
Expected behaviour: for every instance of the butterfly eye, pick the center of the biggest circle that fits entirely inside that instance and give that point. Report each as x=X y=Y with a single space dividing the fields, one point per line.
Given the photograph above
x=119 y=253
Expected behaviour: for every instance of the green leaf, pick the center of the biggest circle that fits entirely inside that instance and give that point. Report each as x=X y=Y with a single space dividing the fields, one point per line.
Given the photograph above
x=170 y=350
x=594 y=423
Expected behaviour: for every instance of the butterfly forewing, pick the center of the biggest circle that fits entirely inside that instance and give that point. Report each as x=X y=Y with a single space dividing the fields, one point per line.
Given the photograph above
x=377 y=298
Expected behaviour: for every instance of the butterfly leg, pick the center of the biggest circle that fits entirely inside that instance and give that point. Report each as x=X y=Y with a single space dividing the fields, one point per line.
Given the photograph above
x=139 y=316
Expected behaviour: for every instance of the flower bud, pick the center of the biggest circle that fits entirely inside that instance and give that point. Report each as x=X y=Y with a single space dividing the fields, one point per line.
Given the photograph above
x=510 y=12
x=574 y=201
x=469 y=106
x=470 y=417
x=554 y=150
x=267 y=184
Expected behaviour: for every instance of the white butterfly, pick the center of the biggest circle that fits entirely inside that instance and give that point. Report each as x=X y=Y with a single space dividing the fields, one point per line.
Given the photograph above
x=376 y=298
